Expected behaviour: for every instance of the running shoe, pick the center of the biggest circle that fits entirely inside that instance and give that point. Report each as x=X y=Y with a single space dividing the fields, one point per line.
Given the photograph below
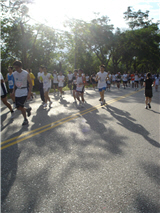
x=149 y=105
x=45 y=105
x=14 y=105
x=146 y=107
x=12 y=115
x=29 y=111
x=100 y=99
x=102 y=103
x=50 y=103
x=25 y=122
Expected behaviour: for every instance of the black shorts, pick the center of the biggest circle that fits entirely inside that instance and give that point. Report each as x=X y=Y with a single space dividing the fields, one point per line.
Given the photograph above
x=3 y=96
x=20 y=101
x=10 y=90
x=148 y=93
x=136 y=82
x=74 y=86
x=55 y=84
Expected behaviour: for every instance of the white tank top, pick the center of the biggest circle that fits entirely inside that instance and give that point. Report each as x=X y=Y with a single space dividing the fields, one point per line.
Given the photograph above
x=21 y=83
x=79 y=81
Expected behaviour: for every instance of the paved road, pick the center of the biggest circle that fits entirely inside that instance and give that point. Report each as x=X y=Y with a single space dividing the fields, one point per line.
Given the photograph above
x=90 y=160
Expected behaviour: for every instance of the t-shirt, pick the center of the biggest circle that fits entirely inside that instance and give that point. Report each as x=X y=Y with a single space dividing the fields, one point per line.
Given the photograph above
x=87 y=78
x=113 y=77
x=10 y=81
x=32 y=78
x=70 y=76
x=132 y=77
x=21 y=80
x=55 y=80
x=61 y=80
x=148 y=84
x=136 y=77
x=102 y=81
x=3 y=86
x=156 y=81
x=46 y=80
x=39 y=75
x=80 y=84
x=124 y=77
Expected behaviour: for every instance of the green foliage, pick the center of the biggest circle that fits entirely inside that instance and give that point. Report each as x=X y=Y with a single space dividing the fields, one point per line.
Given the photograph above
x=86 y=45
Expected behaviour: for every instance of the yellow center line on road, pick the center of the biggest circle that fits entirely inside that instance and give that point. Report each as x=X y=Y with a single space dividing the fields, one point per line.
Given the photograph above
x=60 y=122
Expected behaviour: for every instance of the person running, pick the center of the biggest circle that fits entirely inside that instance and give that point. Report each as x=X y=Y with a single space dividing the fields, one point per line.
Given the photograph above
x=156 y=82
x=109 y=79
x=113 y=79
x=132 y=79
x=118 y=79
x=129 y=79
x=148 y=83
x=141 y=79
x=20 y=90
x=61 y=80
x=136 y=80
x=93 y=80
x=80 y=87
x=3 y=92
x=101 y=78
x=32 y=79
x=40 y=73
x=70 y=79
x=46 y=78
x=87 y=80
x=55 y=81
x=10 y=79
x=74 y=84
x=124 y=77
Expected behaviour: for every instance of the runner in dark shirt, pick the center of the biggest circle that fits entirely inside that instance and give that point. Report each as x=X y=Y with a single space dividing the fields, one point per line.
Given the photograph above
x=148 y=90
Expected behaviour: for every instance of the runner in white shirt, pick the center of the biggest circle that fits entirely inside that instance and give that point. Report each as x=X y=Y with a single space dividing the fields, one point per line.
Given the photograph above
x=124 y=77
x=4 y=92
x=46 y=78
x=80 y=87
x=61 y=79
x=40 y=73
x=21 y=90
x=87 y=80
x=157 y=82
x=101 y=77
x=70 y=79
x=55 y=80
x=109 y=78
x=136 y=80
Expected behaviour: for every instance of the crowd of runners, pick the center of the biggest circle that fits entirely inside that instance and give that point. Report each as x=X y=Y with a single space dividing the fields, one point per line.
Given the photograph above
x=21 y=83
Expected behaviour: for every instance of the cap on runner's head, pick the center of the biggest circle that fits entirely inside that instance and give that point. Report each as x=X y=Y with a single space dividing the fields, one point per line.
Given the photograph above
x=102 y=65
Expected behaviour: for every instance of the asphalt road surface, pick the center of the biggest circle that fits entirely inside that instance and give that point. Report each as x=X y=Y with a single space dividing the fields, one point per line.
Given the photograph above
x=83 y=160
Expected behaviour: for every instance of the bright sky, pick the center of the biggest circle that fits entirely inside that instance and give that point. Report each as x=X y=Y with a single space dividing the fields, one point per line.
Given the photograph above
x=54 y=13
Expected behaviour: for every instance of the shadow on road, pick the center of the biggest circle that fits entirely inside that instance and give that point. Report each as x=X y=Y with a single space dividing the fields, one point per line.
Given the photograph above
x=9 y=158
x=126 y=121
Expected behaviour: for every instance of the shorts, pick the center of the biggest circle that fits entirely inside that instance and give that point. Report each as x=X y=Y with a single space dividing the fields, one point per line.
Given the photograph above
x=46 y=89
x=70 y=82
x=93 y=82
x=136 y=82
x=148 y=93
x=3 y=96
x=10 y=90
x=81 y=91
x=88 y=82
x=55 y=84
x=100 y=89
x=20 y=101
x=125 y=82
x=74 y=86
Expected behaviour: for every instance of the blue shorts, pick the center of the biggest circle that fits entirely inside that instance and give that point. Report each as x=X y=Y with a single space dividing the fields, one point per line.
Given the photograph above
x=104 y=88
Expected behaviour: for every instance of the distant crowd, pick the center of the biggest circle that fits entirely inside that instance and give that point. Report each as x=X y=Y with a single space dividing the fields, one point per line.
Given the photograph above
x=21 y=83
